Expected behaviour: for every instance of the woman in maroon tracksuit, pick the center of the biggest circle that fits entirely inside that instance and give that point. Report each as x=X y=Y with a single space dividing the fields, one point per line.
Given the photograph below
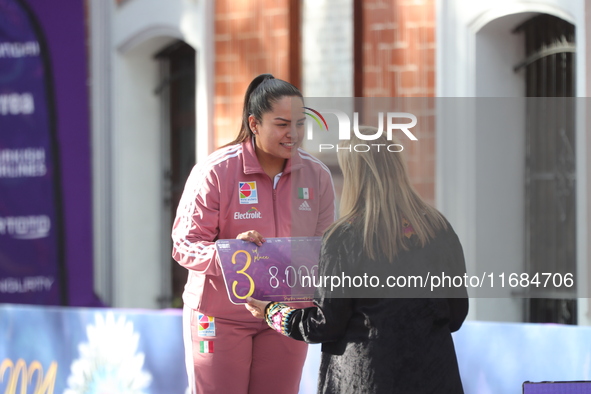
x=261 y=172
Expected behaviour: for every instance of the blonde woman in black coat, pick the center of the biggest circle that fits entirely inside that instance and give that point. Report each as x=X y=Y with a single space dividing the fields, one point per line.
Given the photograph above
x=374 y=341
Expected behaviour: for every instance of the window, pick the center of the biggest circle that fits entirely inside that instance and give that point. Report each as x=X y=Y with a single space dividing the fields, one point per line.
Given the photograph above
x=550 y=163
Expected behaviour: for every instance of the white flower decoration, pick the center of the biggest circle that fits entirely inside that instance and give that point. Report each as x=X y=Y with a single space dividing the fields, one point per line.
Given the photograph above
x=109 y=361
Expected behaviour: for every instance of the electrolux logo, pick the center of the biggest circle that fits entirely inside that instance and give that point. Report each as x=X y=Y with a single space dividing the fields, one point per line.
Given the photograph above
x=345 y=128
x=252 y=213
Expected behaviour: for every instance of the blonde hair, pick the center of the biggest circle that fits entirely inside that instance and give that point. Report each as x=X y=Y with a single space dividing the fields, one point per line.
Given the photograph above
x=378 y=197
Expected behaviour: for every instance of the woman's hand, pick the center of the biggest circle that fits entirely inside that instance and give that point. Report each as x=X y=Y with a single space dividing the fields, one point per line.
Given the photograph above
x=256 y=307
x=252 y=236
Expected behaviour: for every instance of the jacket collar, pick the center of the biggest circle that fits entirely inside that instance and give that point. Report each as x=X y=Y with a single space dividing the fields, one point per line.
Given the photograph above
x=251 y=162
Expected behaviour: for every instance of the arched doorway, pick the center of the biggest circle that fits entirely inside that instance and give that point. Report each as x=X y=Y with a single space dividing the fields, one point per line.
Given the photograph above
x=550 y=173
x=177 y=91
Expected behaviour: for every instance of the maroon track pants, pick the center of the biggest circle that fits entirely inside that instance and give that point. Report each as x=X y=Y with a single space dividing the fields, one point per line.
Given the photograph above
x=243 y=357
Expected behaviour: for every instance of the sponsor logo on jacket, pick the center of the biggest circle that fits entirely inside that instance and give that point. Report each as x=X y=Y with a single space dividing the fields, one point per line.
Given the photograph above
x=252 y=213
x=305 y=206
x=247 y=193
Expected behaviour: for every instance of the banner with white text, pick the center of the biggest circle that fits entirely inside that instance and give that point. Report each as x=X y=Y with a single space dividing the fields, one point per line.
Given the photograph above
x=31 y=238
x=45 y=170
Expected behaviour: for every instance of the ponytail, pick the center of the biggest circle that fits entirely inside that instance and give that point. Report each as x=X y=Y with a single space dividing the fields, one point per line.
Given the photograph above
x=259 y=98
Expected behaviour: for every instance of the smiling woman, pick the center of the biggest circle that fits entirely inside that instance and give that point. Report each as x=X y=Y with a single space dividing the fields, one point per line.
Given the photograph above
x=249 y=190
x=278 y=133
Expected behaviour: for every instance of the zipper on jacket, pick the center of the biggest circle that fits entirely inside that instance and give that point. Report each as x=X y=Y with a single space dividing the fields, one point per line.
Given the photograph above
x=274 y=186
x=275 y=208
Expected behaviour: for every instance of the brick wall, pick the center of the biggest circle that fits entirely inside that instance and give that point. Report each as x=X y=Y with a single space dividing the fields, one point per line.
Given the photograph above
x=251 y=37
x=399 y=61
x=398 y=49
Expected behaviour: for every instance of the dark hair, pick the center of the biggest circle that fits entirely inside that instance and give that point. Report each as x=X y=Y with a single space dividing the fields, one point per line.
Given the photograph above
x=264 y=91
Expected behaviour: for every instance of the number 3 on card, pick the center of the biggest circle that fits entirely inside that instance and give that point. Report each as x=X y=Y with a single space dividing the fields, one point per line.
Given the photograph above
x=242 y=271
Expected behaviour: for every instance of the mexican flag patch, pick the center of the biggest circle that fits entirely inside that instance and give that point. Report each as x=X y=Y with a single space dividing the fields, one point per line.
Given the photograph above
x=206 y=347
x=305 y=193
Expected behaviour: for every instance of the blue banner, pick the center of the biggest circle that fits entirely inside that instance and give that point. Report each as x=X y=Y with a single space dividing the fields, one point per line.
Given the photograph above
x=98 y=350
x=90 y=350
x=32 y=267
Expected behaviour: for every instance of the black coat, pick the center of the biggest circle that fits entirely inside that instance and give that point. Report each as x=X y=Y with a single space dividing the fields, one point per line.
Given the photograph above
x=384 y=344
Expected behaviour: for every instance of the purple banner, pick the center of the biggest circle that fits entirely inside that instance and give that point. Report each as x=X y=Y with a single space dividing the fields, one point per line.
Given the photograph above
x=281 y=269
x=45 y=175
x=31 y=239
